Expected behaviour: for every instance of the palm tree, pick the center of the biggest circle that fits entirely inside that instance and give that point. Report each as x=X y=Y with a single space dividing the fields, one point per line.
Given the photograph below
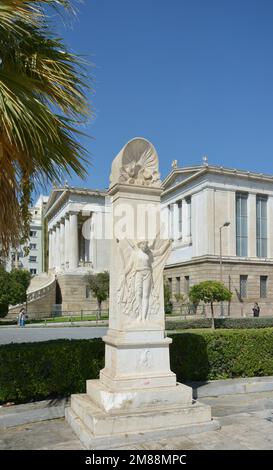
x=42 y=103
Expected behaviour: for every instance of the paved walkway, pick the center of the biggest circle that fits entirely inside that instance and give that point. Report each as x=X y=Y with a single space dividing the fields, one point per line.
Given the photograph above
x=246 y=423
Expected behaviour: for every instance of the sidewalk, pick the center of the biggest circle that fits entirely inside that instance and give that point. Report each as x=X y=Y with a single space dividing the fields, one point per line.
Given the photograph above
x=241 y=429
x=246 y=421
x=58 y=324
x=50 y=324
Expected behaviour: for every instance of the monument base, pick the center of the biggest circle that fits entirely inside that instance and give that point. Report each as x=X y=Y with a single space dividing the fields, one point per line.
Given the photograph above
x=112 y=419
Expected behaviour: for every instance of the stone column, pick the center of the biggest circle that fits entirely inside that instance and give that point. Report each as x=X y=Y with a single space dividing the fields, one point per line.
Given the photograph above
x=185 y=229
x=127 y=340
x=175 y=233
x=62 y=242
x=53 y=249
x=50 y=249
x=66 y=242
x=185 y=220
x=137 y=395
x=57 y=248
x=93 y=242
x=171 y=220
x=74 y=243
x=91 y=239
x=86 y=250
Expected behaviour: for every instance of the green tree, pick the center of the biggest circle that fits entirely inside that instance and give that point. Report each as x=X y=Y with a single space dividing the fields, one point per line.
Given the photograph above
x=180 y=299
x=168 y=306
x=42 y=103
x=13 y=288
x=209 y=292
x=4 y=291
x=99 y=285
x=19 y=280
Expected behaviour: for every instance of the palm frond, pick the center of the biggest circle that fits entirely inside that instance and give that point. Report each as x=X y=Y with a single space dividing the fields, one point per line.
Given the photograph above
x=42 y=101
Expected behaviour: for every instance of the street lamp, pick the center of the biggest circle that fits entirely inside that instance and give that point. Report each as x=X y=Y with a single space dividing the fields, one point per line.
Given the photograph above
x=226 y=224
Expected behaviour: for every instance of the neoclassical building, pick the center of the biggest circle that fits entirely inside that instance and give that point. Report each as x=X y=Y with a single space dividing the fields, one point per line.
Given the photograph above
x=221 y=216
x=76 y=248
x=201 y=204
x=220 y=220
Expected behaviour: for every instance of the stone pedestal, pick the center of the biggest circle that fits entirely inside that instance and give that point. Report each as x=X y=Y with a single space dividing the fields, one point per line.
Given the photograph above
x=98 y=429
x=137 y=396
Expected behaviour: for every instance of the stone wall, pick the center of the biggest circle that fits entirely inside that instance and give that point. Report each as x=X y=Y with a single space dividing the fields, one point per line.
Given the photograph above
x=205 y=269
x=74 y=294
x=40 y=307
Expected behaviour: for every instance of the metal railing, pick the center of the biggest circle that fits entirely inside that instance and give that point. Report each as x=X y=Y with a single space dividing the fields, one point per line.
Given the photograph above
x=68 y=316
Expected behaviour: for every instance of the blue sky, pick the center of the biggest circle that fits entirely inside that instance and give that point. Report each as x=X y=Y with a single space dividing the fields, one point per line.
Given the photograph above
x=193 y=76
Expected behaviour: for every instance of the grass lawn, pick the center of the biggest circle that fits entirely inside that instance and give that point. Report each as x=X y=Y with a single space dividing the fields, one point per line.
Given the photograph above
x=74 y=318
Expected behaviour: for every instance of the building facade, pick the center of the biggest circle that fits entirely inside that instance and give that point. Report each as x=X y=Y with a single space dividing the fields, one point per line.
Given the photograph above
x=35 y=259
x=222 y=224
x=76 y=246
x=220 y=220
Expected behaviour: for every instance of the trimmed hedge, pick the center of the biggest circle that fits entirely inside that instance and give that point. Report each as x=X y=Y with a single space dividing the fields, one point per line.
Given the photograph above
x=188 y=324
x=221 y=323
x=222 y=354
x=52 y=369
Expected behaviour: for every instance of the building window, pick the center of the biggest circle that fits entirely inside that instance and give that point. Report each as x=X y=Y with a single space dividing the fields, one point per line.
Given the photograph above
x=33 y=259
x=243 y=287
x=33 y=246
x=261 y=226
x=188 y=201
x=179 y=204
x=263 y=287
x=177 y=289
x=187 y=284
x=170 y=283
x=33 y=233
x=33 y=271
x=88 y=293
x=241 y=224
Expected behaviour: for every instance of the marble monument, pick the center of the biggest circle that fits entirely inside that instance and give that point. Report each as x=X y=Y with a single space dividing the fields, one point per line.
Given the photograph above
x=137 y=396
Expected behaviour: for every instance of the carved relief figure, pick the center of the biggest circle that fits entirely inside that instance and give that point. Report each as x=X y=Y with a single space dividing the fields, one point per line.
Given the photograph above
x=139 y=165
x=140 y=285
x=144 y=359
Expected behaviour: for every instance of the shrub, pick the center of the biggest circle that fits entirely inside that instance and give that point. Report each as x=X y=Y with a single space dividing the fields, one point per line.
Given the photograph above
x=188 y=324
x=168 y=306
x=223 y=323
x=262 y=322
x=4 y=308
x=222 y=354
x=35 y=371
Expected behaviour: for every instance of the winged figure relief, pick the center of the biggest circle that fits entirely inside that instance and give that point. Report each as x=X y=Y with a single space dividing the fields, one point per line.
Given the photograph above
x=141 y=281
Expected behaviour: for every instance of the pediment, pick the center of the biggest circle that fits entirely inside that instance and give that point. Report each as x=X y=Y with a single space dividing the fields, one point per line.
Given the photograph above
x=178 y=176
x=54 y=196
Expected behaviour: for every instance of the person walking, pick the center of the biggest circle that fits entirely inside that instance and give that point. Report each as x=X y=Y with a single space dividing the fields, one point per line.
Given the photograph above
x=256 y=310
x=22 y=317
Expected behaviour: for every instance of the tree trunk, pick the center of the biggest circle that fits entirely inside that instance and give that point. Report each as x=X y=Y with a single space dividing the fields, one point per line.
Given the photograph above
x=212 y=316
x=99 y=304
